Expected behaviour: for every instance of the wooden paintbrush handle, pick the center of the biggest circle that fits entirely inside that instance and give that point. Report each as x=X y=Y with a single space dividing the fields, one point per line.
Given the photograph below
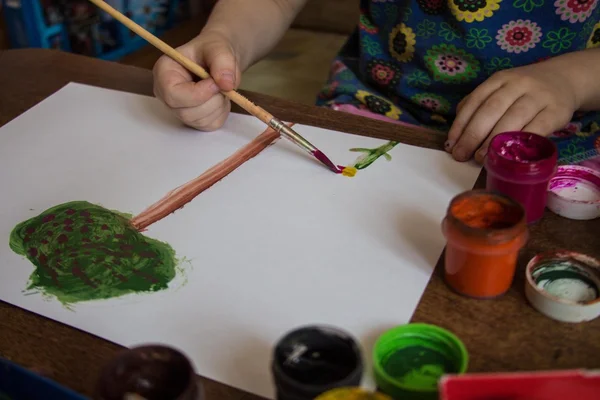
x=191 y=66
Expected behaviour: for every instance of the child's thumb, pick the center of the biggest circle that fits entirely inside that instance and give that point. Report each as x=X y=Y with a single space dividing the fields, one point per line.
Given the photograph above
x=222 y=64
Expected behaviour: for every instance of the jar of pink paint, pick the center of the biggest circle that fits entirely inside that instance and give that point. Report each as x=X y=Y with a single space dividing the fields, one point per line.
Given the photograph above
x=520 y=165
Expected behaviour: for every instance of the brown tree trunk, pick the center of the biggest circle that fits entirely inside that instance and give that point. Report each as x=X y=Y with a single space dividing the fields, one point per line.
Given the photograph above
x=179 y=197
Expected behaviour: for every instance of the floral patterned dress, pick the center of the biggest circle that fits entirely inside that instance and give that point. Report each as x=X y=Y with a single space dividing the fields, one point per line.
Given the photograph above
x=412 y=61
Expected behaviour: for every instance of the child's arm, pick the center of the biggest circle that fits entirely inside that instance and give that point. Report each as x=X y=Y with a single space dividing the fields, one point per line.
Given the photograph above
x=585 y=66
x=252 y=27
x=539 y=98
x=237 y=34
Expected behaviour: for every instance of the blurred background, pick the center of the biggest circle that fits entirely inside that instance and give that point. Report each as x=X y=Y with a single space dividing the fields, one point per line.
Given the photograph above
x=296 y=69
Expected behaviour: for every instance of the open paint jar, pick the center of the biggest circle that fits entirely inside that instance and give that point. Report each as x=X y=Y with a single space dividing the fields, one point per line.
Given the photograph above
x=152 y=372
x=574 y=192
x=520 y=165
x=312 y=360
x=564 y=286
x=484 y=233
x=410 y=360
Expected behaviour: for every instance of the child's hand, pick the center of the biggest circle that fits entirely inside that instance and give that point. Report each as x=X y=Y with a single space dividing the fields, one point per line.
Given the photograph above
x=199 y=104
x=537 y=98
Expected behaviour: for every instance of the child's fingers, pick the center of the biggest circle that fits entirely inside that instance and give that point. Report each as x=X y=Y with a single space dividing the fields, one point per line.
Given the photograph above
x=203 y=117
x=175 y=87
x=219 y=120
x=549 y=120
x=520 y=113
x=460 y=105
x=199 y=104
x=193 y=114
x=186 y=94
x=471 y=103
x=483 y=121
x=449 y=145
x=222 y=63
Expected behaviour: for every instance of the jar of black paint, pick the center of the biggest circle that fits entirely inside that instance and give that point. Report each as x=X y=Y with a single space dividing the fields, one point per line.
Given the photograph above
x=151 y=372
x=312 y=360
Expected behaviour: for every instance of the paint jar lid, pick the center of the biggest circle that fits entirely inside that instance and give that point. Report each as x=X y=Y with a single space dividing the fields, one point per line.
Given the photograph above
x=564 y=286
x=409 y=360
x=352 y=393
x=574 y=192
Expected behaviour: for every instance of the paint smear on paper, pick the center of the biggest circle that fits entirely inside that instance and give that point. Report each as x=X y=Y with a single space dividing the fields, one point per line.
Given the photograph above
x=84 y=252
x=368 y=157
x=349 y=171
x=179 y=197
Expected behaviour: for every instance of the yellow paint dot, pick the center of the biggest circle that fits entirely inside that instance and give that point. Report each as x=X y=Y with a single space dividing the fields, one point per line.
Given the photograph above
x=349 y=171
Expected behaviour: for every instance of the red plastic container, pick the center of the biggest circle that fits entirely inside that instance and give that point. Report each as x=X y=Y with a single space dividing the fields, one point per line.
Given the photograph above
x=542 y=385
x=520 y=165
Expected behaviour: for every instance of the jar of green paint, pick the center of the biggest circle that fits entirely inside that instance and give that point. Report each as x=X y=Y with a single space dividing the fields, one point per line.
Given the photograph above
x=409 y=360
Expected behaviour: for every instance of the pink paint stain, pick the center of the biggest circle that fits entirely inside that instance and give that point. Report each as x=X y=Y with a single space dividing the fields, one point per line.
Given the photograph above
x=577 y=184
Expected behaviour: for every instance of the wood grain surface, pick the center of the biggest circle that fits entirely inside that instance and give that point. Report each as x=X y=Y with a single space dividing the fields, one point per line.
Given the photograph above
x=333 y=16
x=501 y=335
x=3 y=31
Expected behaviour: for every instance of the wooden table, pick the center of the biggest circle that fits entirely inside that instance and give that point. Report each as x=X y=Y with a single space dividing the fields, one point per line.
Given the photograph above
x=501 y=335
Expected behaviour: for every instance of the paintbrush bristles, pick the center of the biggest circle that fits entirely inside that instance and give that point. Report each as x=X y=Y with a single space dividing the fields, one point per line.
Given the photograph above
x=191 y=66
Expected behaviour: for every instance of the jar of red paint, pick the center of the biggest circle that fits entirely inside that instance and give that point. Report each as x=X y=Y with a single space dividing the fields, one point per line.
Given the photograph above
x=520 y=165
x=484 y=232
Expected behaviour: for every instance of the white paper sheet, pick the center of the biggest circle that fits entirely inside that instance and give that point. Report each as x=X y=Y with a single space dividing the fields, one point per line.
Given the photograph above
x=279 y=243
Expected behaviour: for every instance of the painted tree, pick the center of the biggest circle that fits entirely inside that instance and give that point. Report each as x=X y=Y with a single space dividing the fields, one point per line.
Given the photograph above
x=83 y=251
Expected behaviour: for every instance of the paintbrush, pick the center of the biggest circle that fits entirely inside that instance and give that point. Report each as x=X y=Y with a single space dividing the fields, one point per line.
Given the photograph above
x=236 y=97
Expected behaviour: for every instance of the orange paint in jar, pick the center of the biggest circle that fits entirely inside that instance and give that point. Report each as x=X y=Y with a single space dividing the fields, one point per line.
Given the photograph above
x=484 y=232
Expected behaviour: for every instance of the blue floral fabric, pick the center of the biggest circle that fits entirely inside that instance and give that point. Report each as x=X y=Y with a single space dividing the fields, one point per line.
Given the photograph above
x=414 y=60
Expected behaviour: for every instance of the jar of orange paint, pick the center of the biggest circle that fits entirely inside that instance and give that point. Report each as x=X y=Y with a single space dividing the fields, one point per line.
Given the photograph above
x=484 y=232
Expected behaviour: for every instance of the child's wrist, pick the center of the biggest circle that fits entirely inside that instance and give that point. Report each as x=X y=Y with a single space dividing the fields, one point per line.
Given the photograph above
x=222 y=34
x=586 y=75
x=580 y=69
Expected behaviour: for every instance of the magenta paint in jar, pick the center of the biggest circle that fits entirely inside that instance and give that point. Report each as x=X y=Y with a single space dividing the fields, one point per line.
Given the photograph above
x=520 y=165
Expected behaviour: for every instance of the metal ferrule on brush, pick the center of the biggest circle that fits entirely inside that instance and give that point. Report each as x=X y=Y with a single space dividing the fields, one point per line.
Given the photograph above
x=288 y=132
